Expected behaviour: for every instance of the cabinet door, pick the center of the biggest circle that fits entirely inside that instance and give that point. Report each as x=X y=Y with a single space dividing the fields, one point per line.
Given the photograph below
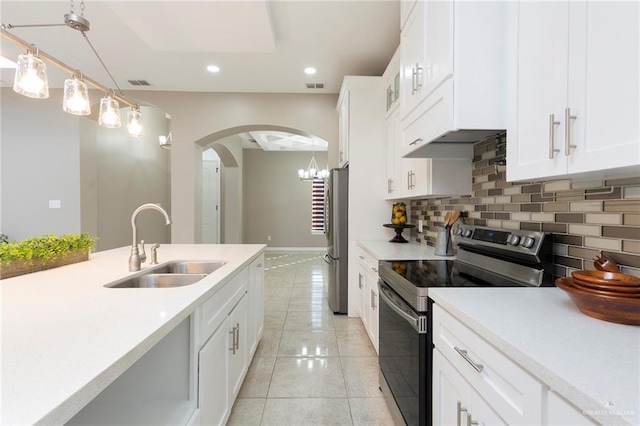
x=213 y=384
x=539 y=89
x=604 y=85
x=412 y=59
x=394 y=172
x=561 y=413
x=237 y=346
x=439 y=44
x=255 y=324
x=372 y=282
x=416 y=177
x=364 y=300
x=451 y=393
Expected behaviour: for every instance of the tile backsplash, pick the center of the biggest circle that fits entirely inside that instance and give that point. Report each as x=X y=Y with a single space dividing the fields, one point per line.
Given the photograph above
x=585 y=217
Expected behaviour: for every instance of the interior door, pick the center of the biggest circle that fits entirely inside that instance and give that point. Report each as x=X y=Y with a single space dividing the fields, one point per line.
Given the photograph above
x=210 y=201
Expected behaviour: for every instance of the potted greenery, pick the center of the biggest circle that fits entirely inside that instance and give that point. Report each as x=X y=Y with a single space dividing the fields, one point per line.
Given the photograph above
x=40 y=253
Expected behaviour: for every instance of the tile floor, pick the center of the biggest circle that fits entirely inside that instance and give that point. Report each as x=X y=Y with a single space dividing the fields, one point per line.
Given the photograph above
x=311 y=367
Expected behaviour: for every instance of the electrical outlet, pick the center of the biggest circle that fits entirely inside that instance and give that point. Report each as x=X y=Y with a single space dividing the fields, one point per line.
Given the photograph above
x=54 y=204
x=419 y=225
x=268 y=237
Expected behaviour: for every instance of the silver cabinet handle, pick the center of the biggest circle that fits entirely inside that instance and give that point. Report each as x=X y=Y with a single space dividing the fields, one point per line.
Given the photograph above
x=233 y=340
x=408 y=180
x=416 y=141
x=552 y=136
x=360 y=281
x=464 y=354
x=374 y=269
x=259 y=265
x=361 y=257
x=471 y=422
x=459 y=411
x=567 y=131
x=415 y=85
x=238 y=336
x=373 y=299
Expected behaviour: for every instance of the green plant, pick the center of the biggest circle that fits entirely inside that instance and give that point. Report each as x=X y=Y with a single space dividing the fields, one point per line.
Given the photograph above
x=46 y=248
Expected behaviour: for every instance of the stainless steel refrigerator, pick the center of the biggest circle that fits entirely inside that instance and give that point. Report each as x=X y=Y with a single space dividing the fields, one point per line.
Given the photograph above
x=336 y=229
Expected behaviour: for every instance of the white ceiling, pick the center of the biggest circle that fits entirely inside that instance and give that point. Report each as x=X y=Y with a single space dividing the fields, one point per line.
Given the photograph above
x=260 y=46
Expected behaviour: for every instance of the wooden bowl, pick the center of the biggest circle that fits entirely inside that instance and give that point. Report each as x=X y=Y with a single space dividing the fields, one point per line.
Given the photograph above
x=606 y=278
x=620 y=290
x=618 y=309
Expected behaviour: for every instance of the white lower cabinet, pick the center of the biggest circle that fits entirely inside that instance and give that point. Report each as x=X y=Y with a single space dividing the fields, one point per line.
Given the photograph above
x=236 y=316
x=476 y=384
x=368 y=284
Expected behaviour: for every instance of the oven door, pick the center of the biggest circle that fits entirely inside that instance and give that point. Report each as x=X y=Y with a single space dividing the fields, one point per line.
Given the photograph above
x=405 y=358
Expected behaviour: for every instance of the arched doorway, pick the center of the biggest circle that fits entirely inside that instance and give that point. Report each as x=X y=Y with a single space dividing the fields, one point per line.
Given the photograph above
x=259 y=198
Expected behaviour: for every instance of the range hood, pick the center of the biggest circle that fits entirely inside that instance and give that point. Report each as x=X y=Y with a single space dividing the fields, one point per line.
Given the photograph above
x=453 y=144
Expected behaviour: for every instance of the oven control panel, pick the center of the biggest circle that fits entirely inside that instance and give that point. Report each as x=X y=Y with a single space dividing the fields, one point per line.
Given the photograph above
x=518 y=241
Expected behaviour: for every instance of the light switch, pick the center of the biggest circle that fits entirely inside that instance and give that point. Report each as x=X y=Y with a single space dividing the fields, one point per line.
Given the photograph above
x=54 y=204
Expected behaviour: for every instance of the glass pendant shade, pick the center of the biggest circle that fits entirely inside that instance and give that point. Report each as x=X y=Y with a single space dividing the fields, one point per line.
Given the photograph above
x=76 y=97
x=109 y=113
x=134 y=123
x=31 y=77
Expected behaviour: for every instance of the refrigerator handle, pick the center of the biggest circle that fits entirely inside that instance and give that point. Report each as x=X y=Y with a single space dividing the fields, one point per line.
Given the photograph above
x=328 y=259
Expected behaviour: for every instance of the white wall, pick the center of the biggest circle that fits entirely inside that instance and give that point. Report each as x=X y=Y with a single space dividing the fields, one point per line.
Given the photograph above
x=202 y=118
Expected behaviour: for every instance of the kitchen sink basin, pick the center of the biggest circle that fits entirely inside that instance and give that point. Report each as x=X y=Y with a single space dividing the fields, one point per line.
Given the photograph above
x=158 y=281
x=189 y=267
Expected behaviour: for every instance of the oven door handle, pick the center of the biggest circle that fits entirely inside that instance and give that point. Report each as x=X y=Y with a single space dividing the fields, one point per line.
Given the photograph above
x=418 y=322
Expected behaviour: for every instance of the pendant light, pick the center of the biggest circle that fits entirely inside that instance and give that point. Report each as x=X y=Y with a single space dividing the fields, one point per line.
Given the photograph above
x=31 y=76
x=134 y=123
x=312 y=172
x=76 y=97
x=109 y=113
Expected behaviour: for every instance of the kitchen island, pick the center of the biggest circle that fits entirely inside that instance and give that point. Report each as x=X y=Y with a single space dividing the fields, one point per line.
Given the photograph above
x=593 y=365
x=66 y=337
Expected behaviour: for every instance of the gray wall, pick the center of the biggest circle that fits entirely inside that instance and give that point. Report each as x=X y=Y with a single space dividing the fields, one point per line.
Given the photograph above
x=99 y=175
x=276 y=202
x=40 y=156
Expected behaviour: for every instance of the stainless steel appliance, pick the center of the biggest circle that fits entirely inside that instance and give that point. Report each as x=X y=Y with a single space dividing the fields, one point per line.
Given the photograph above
x=486 y=258
x=336 y=229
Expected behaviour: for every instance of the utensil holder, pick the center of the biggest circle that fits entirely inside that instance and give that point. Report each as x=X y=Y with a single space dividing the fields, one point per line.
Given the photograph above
x=444 y=246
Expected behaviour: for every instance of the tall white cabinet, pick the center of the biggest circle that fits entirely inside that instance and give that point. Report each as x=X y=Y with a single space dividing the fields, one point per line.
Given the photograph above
x=368 y=210
x=574 y=88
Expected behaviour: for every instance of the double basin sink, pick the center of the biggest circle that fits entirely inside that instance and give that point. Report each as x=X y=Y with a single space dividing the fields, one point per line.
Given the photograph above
x=172 y=274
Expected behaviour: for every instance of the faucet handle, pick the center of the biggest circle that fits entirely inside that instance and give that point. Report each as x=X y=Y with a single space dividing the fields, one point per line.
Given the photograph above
x=143 y=255
x=154 y=254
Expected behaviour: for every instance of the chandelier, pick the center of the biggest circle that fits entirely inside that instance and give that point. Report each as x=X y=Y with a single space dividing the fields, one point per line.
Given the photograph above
x=31 y=78
x=312 y=172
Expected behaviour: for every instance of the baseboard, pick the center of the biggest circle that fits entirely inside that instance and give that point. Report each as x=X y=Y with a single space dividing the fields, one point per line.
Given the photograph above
x=314 y=249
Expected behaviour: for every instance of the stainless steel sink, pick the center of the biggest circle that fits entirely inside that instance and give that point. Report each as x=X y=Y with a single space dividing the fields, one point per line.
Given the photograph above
x=189 y=267
x=157 y=281
x=172 y=274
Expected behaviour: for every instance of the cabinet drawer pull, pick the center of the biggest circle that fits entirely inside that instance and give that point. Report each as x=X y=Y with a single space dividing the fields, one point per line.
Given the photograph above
x=416 y=141
x=567 y=131
x=360 y=281
x=415 y=85
x=471 y=422
x=233 y=341
x=459 y=410
x=373 y=299
x=464 y=354
x=552 y=136
x=238 y=336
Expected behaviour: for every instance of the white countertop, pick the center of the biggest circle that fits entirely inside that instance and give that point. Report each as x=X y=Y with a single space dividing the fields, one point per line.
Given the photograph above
x=384 y=250
x=592 y=363
x=65 y=337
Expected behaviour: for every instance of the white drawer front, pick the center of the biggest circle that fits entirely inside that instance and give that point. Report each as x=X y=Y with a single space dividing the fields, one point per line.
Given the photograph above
x=214 y=311
x=512 y=392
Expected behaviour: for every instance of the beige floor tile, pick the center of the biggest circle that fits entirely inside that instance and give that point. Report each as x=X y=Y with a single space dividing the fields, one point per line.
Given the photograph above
x=370 y=412
x=247 y=412
x=308 y=343
x=307 y=378
x=362 y=376
x=269 y=343
x=276 y=303
x=308 y=320
x=307 y=412
x=307 y=291
x=343 y=322
x=307 y=303
x=274 y=320
x=355 y=343
x=256 y=382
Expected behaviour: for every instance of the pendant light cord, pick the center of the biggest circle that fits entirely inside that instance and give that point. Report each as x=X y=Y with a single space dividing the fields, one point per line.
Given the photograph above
x=102 y=62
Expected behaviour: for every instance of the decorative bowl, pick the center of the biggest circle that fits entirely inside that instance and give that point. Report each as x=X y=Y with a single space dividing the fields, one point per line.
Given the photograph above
x=606 y=278
x=616 y=290
x=618 y=309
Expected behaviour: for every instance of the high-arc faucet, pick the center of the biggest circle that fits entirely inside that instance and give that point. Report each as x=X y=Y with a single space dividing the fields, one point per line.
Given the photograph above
x=136 y=259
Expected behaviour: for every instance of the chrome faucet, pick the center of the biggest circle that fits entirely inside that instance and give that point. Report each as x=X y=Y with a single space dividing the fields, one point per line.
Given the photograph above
x=136 y=259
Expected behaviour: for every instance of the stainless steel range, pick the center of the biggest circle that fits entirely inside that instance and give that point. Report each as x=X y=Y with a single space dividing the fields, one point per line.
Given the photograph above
x=486 y=258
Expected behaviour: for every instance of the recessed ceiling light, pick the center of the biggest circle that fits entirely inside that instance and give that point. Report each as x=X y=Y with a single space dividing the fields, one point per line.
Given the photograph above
x=309 y=70
x=213 y=68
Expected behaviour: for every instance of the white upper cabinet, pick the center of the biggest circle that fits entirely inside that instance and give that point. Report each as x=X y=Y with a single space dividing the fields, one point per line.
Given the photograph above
x=574 y=89
x=453 y=76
